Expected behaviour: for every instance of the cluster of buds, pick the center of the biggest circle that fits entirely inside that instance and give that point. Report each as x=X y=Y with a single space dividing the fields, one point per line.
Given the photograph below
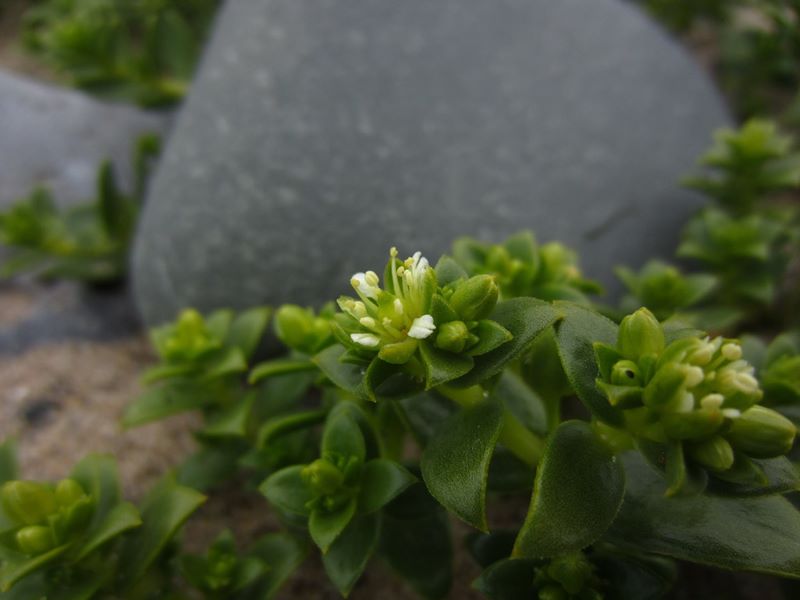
x=333 y=481
x=188 y=339
x=44 y=516
x=302 y=330
x=411 y=309
x=696 y=391
x=523 y=268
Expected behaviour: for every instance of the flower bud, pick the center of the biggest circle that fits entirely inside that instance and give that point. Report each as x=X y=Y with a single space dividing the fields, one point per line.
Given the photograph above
x=692 y=425
x=35 y=539
x=323 y=477
x=27 y=502
x=68 y=492
x=475 y=298
x=714 y=453
x=453 y=336
x=626 y=372
x=640 y=334
x=667 y=388
x=294 y=326
x=761 y=432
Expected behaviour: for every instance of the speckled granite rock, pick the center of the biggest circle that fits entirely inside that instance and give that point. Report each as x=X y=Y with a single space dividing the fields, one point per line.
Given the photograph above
x=58 y=137
x=321 y=132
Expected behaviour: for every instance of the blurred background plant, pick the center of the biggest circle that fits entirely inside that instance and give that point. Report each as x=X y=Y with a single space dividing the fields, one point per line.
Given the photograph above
x=138 y=50
x=89 y=241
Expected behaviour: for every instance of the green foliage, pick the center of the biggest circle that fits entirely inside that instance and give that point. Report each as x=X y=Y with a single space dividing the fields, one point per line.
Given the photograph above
x=681 y=16
x=88 y=242
x=746 y=241
x=760 y=57
x=203 y=366
x=664 y=289
x=521 y=267
x=78 y=538
x=748 y=165
x=224 y=573
x=144 y=51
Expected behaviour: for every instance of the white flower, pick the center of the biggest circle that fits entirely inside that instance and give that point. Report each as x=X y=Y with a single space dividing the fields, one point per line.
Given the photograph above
x=422 y=327
x=365 y=339
x=366 y=285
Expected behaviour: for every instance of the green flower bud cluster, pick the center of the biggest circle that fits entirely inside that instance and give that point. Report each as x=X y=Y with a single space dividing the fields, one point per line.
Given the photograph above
x=45 y=516
x=333 y=481
x=698 y=392
x=523 y=268
x=410 y=309
x=302 y=330
x=566 y=578
x=663 y=288
x=222 y=571
x=186 y=340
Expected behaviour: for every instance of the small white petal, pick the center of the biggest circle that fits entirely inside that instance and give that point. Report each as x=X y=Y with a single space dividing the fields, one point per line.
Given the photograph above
x=365 y=339
x=422 y=327
x=731 y=413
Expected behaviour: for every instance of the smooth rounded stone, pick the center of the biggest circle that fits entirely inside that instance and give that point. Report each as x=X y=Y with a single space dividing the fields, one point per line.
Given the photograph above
x=58 y=137
x=320 y=132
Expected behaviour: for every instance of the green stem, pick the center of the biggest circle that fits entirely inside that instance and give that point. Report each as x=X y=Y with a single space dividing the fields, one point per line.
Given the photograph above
x=521 y=441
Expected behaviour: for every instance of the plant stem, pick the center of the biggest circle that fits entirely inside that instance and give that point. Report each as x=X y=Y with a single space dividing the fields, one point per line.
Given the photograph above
x=521 y=441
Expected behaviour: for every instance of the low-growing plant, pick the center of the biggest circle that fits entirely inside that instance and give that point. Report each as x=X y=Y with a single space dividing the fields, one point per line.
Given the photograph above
x=746 y=241
x=88 y=241
x=202 y=366
x=433 y=389
x=77 y=538
x=144 y=51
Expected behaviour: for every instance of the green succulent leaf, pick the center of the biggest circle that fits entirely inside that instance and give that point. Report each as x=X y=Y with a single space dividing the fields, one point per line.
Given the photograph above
x=342 y=436
x=524 y=318
x=347 y=558
x=455 y=465
x=415 y=541
x=231 y=421
x=287 y=490
x=325 y=526
x=279 y=366
x=345 y=375
x=8 y=461
x=119 y=519
x=441 y=366
x=576 y=335
x=753 y=534
x=160 y=402
x=508 y=579
x=578 y=491
x=15 y=569
x=282 y=553
x=381 y=481
x=164 y=511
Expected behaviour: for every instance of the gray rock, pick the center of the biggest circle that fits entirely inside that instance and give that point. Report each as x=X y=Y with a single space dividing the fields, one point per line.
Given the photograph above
x=320 y=132
x=66 y=311
x=57 y=137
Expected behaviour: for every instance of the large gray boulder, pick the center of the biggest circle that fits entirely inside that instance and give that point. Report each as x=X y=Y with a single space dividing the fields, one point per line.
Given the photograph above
x=57 y=137
x=321 y=132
